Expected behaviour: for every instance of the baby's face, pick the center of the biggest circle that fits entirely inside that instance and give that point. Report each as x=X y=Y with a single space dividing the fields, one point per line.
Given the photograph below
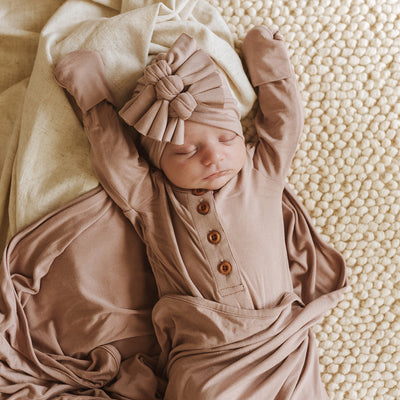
x=208 y=159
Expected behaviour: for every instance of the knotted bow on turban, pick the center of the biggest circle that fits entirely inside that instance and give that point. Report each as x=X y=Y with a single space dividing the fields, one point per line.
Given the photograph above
x=182 y=84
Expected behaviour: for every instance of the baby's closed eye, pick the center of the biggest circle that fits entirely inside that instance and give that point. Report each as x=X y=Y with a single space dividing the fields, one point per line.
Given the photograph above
x=227 y=137
x=185 y=149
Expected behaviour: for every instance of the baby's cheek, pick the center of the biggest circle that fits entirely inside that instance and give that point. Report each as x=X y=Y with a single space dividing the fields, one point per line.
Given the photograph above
x=240 y=156
x=178 y=163
x=182 y=168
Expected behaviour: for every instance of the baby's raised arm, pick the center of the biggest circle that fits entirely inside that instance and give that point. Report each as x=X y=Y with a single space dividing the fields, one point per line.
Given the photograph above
x=116 y=162
x=279 y=121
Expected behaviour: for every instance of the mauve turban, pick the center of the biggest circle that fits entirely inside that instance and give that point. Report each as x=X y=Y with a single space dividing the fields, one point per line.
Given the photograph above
x=182 y=84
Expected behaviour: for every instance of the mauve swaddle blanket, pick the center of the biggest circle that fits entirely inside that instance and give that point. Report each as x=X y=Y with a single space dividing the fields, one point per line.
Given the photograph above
x=74 y=316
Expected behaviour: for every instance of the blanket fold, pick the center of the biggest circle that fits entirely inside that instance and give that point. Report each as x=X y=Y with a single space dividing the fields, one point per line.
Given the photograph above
x=70 y=316
x=221 y=352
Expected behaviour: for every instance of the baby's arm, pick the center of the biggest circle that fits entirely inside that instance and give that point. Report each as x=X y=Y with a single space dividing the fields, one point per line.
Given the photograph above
x=120 y=170
x=279 y=121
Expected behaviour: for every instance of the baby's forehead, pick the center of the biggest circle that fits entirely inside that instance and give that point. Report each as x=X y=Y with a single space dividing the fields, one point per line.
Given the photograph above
x=195 y=131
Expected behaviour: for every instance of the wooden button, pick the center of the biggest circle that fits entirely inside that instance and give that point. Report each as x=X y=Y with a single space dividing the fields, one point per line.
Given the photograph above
x=214 y=237
x=198 y=192
x=225 y=267
x=203 y=207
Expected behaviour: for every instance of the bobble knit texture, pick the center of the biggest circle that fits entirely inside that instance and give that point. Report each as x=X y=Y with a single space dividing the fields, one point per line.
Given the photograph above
x=346 y=55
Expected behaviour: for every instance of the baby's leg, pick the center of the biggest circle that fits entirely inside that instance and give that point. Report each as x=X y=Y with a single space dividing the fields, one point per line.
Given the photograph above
x=81 y=74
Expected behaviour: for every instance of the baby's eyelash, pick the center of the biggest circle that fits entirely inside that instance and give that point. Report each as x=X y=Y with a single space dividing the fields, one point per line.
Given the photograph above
x=186 y=151
x=227 y=138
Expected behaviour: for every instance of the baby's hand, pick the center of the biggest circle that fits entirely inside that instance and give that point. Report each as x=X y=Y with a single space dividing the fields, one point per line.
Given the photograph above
x=82 y=74
x=266 y=56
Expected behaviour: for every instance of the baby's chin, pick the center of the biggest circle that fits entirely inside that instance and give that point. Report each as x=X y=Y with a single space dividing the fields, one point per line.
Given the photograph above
x=207 y=184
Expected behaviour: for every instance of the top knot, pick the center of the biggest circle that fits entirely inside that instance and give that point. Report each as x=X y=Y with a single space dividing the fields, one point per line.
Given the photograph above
x=156 y=71
x=168 y=87
x=182 y=106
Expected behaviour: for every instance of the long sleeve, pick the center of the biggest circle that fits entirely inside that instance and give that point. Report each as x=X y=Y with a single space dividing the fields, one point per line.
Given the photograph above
x=279 y=121
x=122 y=172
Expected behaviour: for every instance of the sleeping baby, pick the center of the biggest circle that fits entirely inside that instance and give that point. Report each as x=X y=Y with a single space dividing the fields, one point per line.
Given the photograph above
x=231 y=320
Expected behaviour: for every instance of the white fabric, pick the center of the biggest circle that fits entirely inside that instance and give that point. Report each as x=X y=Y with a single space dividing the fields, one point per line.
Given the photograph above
x=347 y=168
x=51 y=165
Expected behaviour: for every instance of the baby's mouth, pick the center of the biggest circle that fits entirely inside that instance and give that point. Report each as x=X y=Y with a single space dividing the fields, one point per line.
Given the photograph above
x=217 y=174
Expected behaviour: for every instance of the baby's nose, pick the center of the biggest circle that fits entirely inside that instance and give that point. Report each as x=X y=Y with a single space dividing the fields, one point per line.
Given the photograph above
x=212 y=155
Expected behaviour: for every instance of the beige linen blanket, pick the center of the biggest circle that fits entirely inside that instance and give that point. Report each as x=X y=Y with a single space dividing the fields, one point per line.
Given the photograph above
x=346 y=168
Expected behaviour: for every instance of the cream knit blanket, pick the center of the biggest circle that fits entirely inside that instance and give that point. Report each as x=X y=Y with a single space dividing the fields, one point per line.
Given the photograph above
x=347 y=58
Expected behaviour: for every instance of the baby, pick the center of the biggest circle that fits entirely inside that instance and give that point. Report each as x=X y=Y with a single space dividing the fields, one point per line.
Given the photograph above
x=209 y=209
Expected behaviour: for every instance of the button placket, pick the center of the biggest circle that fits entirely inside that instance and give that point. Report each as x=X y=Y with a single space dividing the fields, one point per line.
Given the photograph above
x=219 y=255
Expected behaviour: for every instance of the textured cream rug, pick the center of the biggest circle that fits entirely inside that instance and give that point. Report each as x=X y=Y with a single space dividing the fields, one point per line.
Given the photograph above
x=347 y=170
x=347 y=167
